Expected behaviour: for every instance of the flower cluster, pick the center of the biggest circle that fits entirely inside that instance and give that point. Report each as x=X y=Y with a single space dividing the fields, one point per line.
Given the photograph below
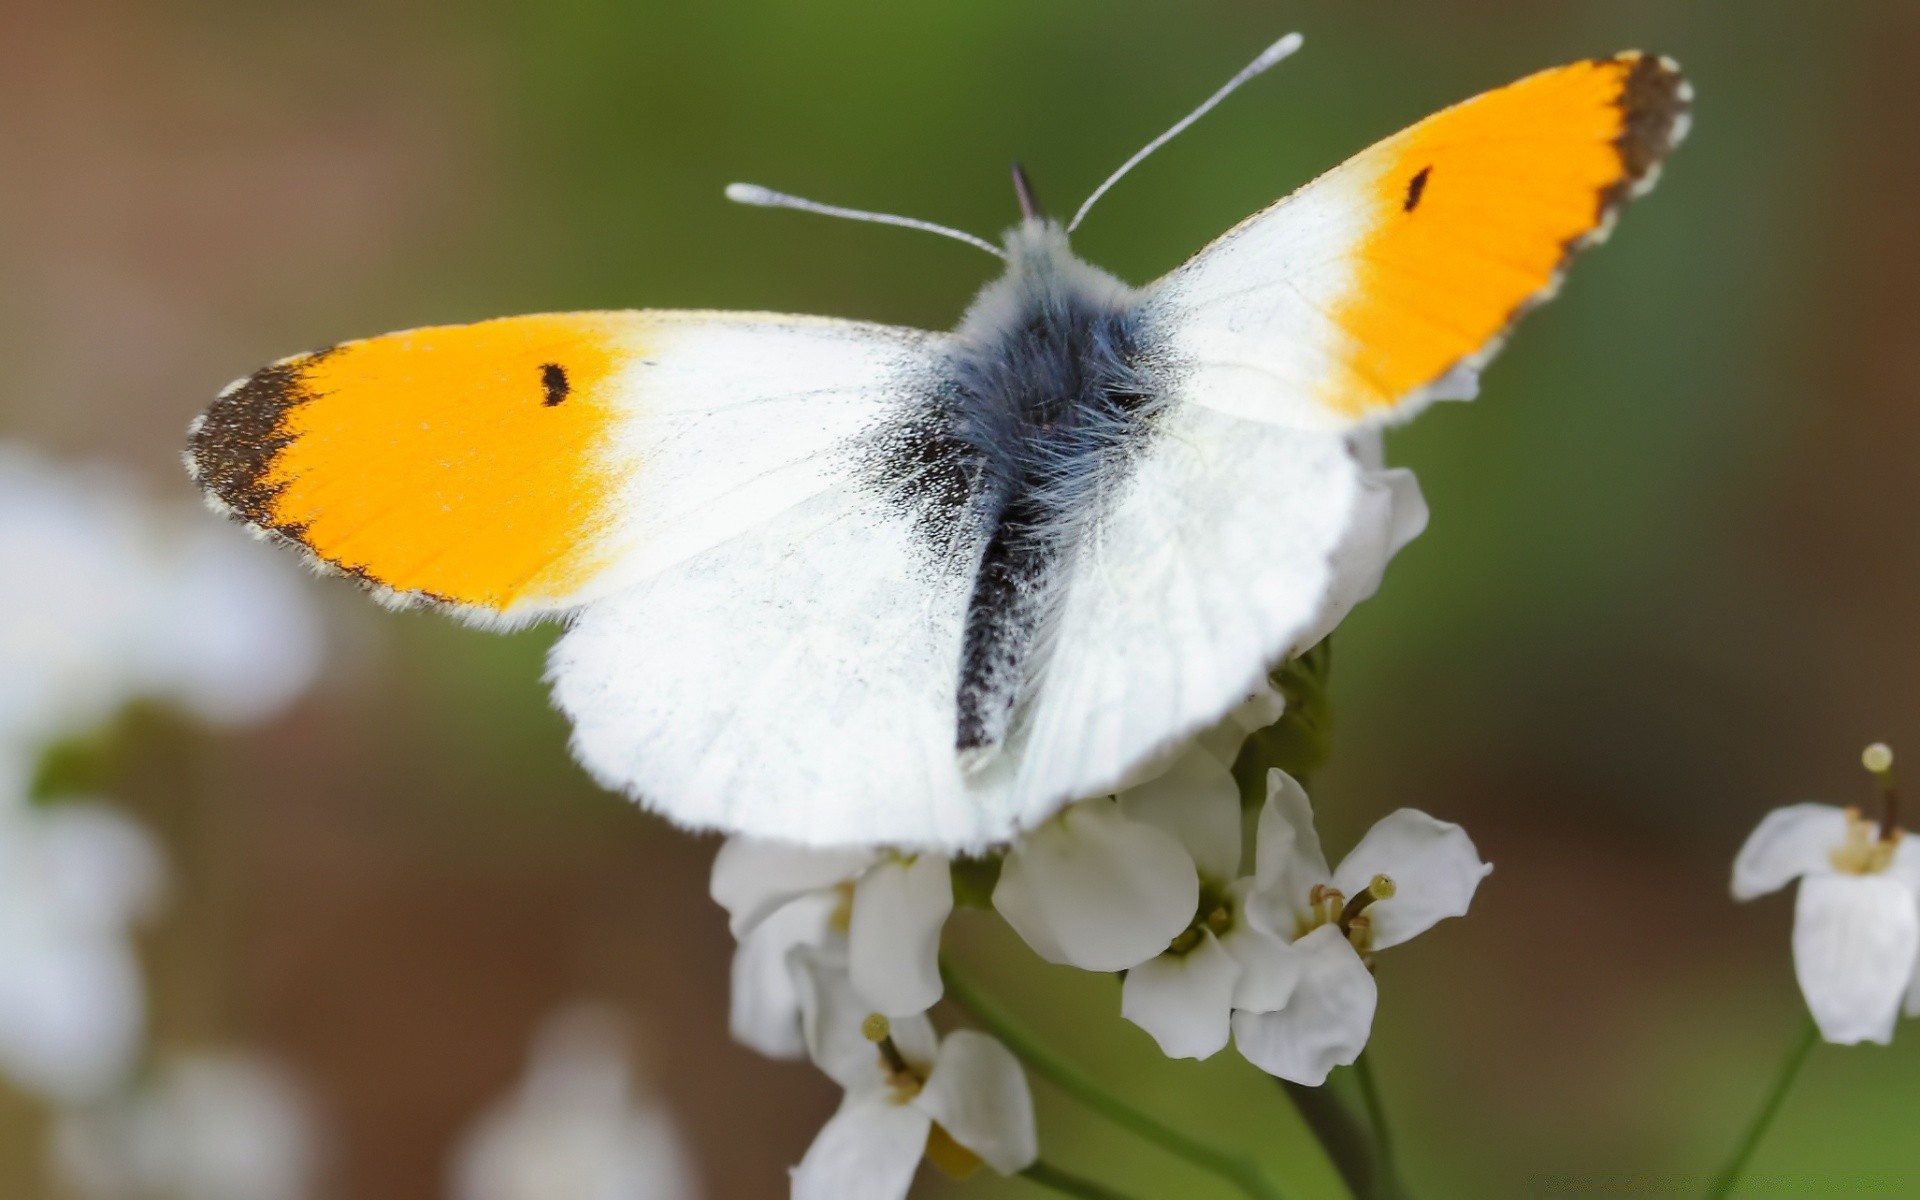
x=114 y=599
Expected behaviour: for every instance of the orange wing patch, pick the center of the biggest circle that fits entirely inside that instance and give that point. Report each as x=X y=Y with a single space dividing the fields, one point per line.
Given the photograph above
x=1478 y=209
x=466 y=464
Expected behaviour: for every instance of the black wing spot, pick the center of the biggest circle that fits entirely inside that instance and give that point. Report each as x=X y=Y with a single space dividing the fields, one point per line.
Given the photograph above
x=553 y=380
x=1416 y=188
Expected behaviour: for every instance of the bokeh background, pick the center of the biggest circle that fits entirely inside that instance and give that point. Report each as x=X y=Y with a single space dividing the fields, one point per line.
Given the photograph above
x=1670 y=581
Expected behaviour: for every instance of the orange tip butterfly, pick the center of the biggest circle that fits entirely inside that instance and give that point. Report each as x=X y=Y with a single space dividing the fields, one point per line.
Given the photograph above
x=835 y=582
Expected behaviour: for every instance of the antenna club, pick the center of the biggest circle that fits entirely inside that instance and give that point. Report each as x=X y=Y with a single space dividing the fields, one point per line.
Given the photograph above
x=1279 y=50
x=750 y=193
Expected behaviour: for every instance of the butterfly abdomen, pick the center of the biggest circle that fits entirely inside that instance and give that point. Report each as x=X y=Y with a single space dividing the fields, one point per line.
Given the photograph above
x=1050 y=395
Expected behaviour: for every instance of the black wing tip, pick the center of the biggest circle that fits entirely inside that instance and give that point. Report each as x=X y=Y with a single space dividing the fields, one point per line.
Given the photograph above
x=1655 y=103
x=232 y=445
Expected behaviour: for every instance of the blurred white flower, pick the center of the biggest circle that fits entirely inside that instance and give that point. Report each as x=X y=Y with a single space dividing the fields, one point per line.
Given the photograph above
x=110 y=597
x=1225 y=958
x=1856 y=927
x=224 y=1126
x=577 y=1128
x=1408 y=873
x=958 y=1100
x=74 y=878
x=890 y=907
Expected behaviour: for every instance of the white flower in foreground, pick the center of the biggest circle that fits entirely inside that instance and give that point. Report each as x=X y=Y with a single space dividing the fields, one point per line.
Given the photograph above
x=1108 y=883
x=74 y=878
x=208 y=1127
x=1856 y=927
x=1096 y=889
x=110 y=597
x=1225 y=958
x=890 y=907
x=958 y=1100
x=577 y=1128
x=1409 y=872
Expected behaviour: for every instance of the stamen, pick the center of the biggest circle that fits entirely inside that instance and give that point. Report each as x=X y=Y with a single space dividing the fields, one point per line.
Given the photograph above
x=1270 y=56
x=1878 y=760
x=754 y=194
x=879 y=1031
x=1380 y=888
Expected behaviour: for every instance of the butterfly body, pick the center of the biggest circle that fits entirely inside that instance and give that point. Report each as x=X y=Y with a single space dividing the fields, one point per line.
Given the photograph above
x=837 y=582
x=1052 y=388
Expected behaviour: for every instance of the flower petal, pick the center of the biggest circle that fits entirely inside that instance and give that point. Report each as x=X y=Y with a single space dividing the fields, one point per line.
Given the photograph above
x=1325 y=1024
x=1288 y=861
x=979 y=1095
x=1855 y=939
x=764 y=1001
x=1184 y=1001
x=1197 y=802
x=1434 y=868
x=753 y=877
x=1095 y=890
x=831 y=1019
x=102 y=868
x=868 y=1150
x=893 y=940
x=1269 y=970
x=1789 y=843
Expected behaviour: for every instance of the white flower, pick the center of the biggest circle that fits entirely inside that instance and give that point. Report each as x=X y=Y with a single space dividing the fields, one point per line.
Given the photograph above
x=1856 y=927
x=1095 y=889
x=890 y=908
x=73 y=879
x=1408 y=873
x=1225 y=958
x=959 y=1100
x=110 y=597
x=576 y=1128
x=208 y=1127
x=1107 y=883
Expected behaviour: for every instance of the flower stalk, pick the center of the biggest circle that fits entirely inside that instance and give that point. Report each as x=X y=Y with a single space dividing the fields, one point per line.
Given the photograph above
x=1756 y=1131
x=1068 y=1184
x=1241 y=1170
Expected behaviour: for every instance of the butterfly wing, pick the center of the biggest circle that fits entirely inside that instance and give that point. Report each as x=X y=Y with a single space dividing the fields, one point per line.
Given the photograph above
x=1252 y=520
x=522 y=467
x=1392 y=279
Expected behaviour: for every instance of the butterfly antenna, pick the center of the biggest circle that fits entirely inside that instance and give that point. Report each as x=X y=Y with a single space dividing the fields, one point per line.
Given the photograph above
x=1269 y=57
x=754 y=194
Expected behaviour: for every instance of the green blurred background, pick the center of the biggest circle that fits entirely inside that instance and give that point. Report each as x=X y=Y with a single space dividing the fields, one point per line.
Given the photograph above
x=1670 y=580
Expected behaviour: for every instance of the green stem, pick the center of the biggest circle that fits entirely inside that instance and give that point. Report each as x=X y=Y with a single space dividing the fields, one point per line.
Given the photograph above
x=1049 y=1176
x=1769 y=1108
x=1344 y=1140
x=1386 y=1173
x=1241 y=1170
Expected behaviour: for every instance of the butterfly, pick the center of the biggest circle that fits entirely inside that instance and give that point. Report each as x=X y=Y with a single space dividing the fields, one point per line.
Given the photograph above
x=836 y=582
